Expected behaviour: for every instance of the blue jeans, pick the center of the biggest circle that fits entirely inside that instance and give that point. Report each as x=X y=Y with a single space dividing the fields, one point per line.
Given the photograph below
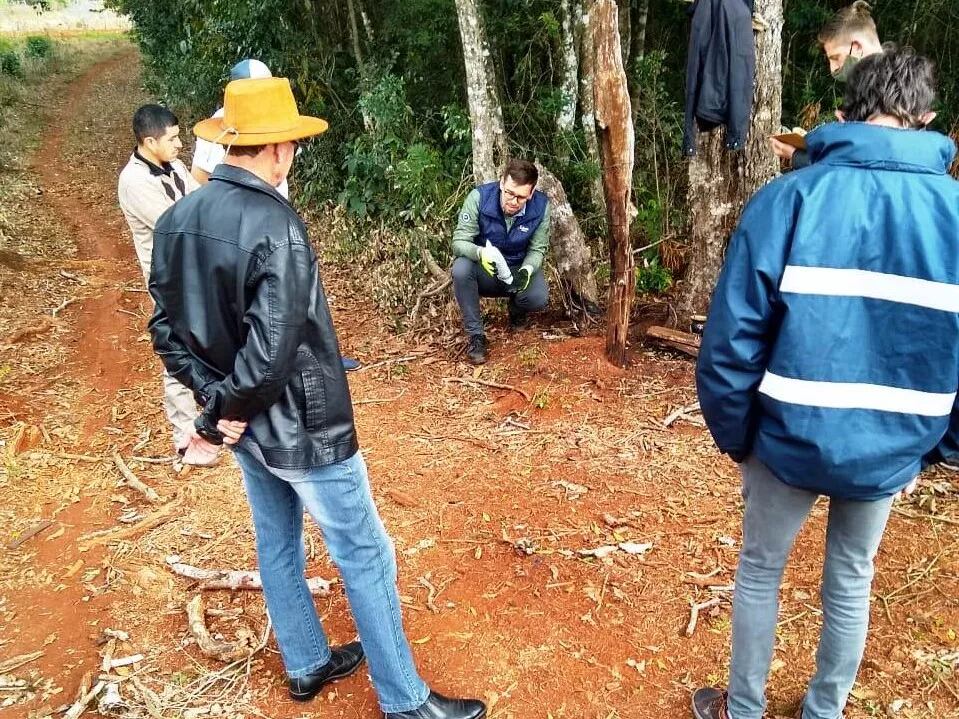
x=338 y=498
x=775 y=512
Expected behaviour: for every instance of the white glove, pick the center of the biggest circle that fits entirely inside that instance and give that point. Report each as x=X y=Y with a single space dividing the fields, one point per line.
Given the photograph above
x=493 y=262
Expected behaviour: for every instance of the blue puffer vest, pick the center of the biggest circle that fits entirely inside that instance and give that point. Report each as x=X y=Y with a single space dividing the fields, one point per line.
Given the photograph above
x=492 y=223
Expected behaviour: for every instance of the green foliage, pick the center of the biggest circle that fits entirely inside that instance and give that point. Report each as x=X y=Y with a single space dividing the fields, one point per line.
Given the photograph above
x=396 y=159
x=39 y=47
x=10 y=63
x=653 y=277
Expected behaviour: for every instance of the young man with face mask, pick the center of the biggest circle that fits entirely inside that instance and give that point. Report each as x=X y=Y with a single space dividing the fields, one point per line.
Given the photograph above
x=828 y=365
x=846 y=39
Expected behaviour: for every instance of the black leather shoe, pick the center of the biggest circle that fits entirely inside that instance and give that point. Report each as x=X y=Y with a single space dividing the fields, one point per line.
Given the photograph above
x=518 y=320
x=476 y=349
x=344 y=661
x=439 y=707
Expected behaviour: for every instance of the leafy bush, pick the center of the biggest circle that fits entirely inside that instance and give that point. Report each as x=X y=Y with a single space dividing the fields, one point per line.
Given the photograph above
x=10 y=63
x=39 y=47
x=653 y=277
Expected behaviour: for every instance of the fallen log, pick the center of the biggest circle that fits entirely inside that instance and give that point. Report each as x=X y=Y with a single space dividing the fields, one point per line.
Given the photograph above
x=681 y=341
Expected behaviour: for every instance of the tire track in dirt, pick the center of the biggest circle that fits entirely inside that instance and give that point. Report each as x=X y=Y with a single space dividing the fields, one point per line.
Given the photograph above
x=86 y=143
x=86 y=138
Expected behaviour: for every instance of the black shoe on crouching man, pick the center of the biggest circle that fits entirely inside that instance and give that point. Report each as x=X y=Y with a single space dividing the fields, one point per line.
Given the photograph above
x=476 y=349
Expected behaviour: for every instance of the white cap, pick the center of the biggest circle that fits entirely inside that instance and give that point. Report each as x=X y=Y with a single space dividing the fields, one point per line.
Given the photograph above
x=249 y=69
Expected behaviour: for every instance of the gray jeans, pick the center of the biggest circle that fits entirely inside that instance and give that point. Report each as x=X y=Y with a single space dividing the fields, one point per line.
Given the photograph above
x=470 y=282
x=775 y=512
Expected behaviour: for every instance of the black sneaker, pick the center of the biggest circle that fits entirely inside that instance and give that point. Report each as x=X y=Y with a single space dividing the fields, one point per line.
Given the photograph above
x=476 y=349
x=344 y=661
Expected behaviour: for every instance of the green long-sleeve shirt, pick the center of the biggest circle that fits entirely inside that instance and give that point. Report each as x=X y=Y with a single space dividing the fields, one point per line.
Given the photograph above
x=467 y=229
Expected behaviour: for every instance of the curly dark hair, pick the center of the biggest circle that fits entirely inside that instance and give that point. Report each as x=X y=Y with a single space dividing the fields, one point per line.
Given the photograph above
x=895 y=82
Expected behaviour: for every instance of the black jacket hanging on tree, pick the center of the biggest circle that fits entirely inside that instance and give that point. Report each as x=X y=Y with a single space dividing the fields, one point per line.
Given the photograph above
x=720 y=70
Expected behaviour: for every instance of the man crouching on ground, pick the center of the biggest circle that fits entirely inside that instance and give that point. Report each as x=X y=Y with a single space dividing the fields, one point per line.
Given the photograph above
x=830 y=362
x=242 y=319
x=500 y=240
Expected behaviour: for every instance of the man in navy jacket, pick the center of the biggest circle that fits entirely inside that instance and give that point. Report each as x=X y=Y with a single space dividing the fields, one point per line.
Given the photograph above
x=830 y=364
x=504 y=223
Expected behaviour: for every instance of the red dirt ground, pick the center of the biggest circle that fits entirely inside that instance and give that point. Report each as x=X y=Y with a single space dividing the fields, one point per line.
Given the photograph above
x=489 y=497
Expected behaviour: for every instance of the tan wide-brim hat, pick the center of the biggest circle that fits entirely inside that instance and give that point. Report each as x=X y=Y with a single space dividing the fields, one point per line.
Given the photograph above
x=259 y=111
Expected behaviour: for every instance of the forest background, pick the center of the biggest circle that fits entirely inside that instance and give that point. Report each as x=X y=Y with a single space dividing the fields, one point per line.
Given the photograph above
x=389 y=75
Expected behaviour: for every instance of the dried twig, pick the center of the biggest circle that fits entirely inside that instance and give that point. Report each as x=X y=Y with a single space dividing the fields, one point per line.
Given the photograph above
x=932 y=517
x=152 y=520
x=62 y=306
x=486 y=383
x=16 y=662
x=380 y=401
x=212 y=579
x=243 y=647
x=80 y=705
x=397 y=360
x=682 y=412
x=132 y=481
x=28 y=535
x=694 y=611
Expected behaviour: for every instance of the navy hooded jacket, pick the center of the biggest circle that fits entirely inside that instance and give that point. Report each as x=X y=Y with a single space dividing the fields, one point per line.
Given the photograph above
x=831 y=351
x=720 y=69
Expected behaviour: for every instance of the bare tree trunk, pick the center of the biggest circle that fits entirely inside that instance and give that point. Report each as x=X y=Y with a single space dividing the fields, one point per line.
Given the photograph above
x=367 y=26
x=355 y=34
x=638 y=52
x=587 y=112
x=720 y=181
x=486 y=113
x=570 y=253
x=614 y=119
x=625 y=29
x=566 y=120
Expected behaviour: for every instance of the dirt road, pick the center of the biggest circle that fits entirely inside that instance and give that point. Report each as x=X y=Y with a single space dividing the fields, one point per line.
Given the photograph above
x=495 y=499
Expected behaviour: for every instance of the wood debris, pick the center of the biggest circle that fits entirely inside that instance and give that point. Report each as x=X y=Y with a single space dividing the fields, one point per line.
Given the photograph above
x=244 y=645
x=232 y=579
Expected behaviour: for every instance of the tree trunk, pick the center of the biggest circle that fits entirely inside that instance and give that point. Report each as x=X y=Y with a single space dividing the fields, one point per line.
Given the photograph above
x=486 y=113
x=614 y=119
x=720 y=181
x=638 y=52
x=569 y=250
x=566 y=119
x=587 y=112
x=355 y=34
x=625 y=29
x=570 y=253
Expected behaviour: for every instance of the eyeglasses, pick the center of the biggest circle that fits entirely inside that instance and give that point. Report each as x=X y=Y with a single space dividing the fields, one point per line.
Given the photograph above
x=513 y=196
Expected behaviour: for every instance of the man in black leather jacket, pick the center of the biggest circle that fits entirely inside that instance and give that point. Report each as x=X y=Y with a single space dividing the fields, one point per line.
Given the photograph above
x=242 y=320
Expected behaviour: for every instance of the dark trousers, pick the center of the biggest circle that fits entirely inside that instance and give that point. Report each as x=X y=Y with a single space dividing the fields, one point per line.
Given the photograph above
x=470 y=282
